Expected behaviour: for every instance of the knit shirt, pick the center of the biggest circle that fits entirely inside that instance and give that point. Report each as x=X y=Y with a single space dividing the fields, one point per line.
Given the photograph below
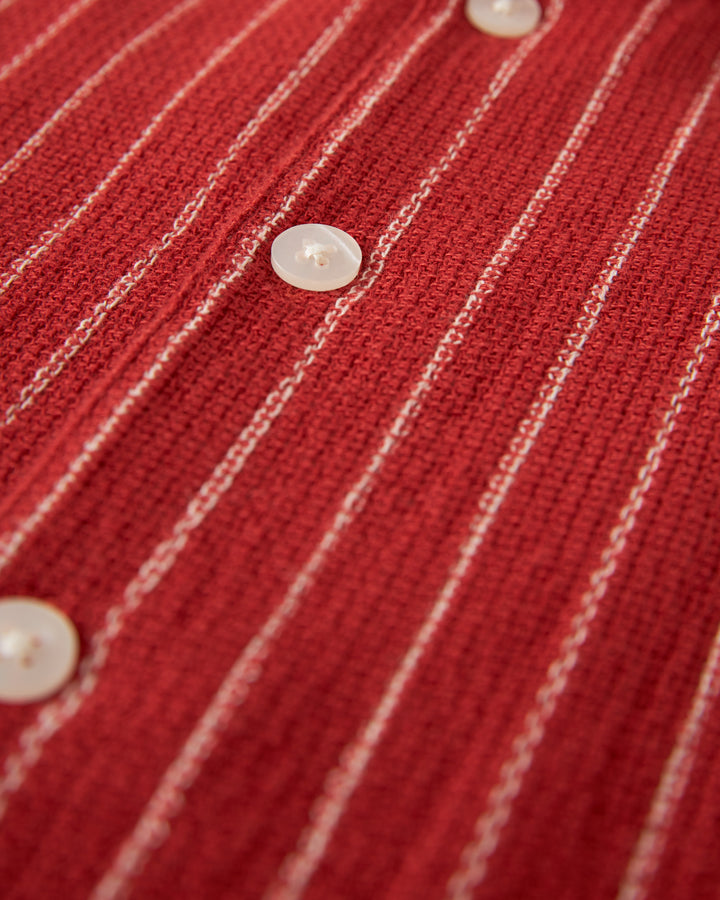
x=402 y=591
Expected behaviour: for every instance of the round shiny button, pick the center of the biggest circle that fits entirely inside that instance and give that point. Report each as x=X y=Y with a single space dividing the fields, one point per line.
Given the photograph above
x=316 y=257
x=39 y=649
x=504 y=18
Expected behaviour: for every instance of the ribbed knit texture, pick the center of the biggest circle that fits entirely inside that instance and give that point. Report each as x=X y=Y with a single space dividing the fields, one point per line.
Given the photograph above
x=408 y=590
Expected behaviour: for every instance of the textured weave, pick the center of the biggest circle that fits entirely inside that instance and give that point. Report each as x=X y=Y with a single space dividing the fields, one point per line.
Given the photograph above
x=408 y=590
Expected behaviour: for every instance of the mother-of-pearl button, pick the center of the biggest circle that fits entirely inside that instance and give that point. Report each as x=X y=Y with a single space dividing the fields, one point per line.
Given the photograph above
x=504 y=18
x=39 y=650
x=316 y=257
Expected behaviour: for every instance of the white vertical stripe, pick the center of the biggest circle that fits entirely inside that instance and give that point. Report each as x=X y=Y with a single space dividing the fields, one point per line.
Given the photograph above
x=341 y=783
x=42 y=40
x=647 y=855
x=90 y=84
x=56 y=713
x=61 y=357
x=48 y=238
x=489 y=826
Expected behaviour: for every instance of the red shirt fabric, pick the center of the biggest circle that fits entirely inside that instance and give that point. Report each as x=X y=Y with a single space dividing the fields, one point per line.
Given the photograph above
x=405 y=590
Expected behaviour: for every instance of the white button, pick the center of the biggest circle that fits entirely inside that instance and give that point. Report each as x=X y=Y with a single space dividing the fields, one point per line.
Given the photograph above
x=316 y=257
x=504 y=18
x=39 y=650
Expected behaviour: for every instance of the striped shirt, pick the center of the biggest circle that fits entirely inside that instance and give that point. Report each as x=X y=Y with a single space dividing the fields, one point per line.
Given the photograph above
x=405 y=590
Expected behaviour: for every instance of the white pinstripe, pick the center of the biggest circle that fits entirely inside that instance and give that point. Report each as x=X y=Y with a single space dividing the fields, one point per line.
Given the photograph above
x=647 y=855
x=84 y=331
x=48 y=238
x=299 y=867
x=56 y=713
x=42 y=40
x=90 y=84
x=489 y=826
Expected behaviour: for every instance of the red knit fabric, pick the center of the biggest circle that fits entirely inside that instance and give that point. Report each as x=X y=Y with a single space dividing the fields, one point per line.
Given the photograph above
x=408 y=590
